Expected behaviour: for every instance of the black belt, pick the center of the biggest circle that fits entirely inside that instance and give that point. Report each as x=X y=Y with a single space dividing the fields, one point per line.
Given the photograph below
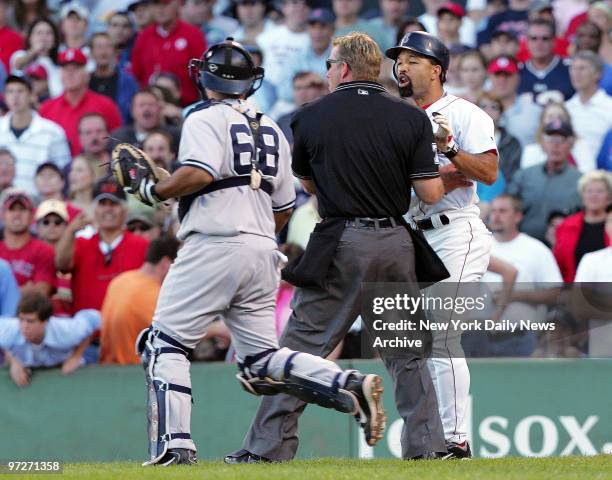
x=427 y=224
x=372 y=222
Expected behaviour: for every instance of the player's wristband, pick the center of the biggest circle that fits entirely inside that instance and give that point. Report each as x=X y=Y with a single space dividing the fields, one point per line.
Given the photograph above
x=453 y=149
x=154 y=194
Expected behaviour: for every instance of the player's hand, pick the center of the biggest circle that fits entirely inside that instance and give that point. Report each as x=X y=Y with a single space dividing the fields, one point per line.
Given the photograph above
x=444 y=133
x=71 y=365
x=20 y=374
x=453 y=178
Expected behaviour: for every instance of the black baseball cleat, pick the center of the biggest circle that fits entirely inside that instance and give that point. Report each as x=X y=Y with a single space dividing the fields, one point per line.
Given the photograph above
x=430 y=456
x=368 y=390
x=244 y=456
x=458 y=450
x=178 y=456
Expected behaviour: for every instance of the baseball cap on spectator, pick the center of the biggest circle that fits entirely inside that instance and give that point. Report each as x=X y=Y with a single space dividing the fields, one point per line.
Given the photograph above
x=504 y=33
x=321 y=15
x=52 y=206
x=135 y=4
x=50 y=165
x=559 y=127
x=17 y=196
x=36 y=71
x=18 y=78
x=74 y=7
x=452 y=8
x=72 y=55
x=503 y=64
x=145 y=217
x=109 y=189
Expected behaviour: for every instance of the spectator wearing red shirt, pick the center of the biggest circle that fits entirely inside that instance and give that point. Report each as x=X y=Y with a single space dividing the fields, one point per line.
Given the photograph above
x=77 y=99
x=584 y=232
x=10 y=40
x=167 y=46
x=31 y=259
x=95 y=261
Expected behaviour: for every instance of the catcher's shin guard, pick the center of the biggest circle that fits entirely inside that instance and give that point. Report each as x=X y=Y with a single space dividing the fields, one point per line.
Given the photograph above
x=304 y=387
x=160 y=392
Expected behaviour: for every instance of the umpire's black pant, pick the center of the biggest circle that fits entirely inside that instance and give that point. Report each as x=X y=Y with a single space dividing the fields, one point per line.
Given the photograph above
x=322 y=317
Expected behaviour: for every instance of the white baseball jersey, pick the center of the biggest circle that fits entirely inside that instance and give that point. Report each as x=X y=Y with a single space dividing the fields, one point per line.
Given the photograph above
x=474 y=132
x=217 y=138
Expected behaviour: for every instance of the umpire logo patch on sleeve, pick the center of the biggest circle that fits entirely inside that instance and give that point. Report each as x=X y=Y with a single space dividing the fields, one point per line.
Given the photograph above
x=362 y=92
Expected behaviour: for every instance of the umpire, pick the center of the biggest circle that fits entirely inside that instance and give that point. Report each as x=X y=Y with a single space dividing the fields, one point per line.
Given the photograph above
x=359 y=150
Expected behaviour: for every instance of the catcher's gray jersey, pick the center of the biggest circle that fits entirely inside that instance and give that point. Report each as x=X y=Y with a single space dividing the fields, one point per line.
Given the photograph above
x=216 y=137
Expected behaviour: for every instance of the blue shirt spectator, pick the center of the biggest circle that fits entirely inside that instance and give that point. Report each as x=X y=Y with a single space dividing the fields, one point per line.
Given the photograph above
x=61 y=337
x=604 y=158
x=9 y=290
x=545 y=73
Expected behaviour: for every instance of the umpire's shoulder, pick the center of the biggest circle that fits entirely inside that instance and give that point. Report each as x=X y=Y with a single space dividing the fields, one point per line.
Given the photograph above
x=403 y=108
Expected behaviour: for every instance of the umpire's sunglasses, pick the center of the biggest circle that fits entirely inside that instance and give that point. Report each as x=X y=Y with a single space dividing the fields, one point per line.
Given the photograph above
x=330 y=61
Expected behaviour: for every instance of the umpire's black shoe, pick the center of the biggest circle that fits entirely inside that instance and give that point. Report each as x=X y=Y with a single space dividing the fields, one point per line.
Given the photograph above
x=368 y=390
x=244 y=456
x=430 y=456
x=458 y=450
x=178 y=456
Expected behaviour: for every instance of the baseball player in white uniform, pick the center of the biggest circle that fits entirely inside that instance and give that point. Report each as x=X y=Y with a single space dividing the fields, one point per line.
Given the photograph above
x=236 y=190
x=466 y=152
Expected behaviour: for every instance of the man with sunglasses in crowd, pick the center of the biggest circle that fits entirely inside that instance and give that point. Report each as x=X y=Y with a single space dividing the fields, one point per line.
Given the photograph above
x=52 y=218
x=545 y=75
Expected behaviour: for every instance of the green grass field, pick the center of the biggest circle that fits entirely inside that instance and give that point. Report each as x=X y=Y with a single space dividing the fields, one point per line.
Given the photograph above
x=578 y=468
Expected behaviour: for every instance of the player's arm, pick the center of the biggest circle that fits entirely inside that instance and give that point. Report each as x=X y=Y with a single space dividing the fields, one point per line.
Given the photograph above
x=477 y=166
x=281 y=219
x=309 y=186
x=183 y=181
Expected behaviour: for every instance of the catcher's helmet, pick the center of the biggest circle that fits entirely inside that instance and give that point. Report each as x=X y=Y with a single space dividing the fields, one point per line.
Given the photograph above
x=425 y=44
x=228 y=68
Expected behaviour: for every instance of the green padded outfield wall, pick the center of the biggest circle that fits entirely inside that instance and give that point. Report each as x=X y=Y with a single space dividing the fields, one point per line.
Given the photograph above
x=518 y=407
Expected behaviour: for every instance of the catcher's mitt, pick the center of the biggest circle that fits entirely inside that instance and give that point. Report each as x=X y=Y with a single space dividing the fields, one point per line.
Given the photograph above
x=136 y=172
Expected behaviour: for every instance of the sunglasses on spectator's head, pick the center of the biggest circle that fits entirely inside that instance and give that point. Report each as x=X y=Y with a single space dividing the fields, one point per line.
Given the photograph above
x=138 y=227
x=48 y=221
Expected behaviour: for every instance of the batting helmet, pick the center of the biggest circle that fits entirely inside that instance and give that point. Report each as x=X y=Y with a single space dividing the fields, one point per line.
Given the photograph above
x=228 y=68
x=424 y=44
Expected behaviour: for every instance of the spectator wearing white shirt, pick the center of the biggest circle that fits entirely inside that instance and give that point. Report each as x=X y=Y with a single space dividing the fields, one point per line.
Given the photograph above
x=252 y=17
x=590 y=108
x=41 y=47
x=538 y=278
x=285 y=42
x=33 y=140
x=7 y=169
x=597 y=266
x=321 y=32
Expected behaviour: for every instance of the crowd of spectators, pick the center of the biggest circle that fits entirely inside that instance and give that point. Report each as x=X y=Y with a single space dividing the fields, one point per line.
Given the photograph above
x=76 y=77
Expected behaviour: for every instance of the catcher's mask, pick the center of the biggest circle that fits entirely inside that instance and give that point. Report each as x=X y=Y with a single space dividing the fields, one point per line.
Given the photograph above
x=226 y=68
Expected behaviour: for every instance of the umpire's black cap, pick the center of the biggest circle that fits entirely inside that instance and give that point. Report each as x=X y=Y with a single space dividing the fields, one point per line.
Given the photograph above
x=425 y=44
